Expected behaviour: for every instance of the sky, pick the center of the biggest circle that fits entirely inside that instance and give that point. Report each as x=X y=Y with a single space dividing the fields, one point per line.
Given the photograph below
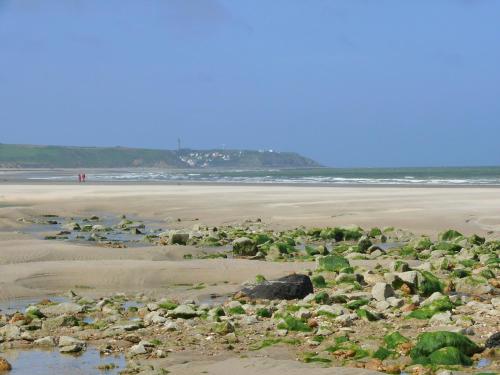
x=349 y=83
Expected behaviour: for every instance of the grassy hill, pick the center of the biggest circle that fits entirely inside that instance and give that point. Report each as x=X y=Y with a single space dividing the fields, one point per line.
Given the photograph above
x=28 y=156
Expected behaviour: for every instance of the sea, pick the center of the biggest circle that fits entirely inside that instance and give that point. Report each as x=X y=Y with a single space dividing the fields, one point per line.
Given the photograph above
x=442 y=176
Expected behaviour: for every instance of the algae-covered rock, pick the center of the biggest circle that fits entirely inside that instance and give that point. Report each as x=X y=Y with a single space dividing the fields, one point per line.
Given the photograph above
x=450 y=235
x=429 y=342
x=364 y=244
x=332 y=263
x=428 y=311
x=394 y=339
x=293 y=324
x=179 y=238
x=367 y=315
x=449 y=356
x=429 y=284
x=244 y=246
x=319 y=281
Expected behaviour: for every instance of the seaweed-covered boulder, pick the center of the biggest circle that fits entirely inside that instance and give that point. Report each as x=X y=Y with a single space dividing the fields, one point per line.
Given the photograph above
x=244 y=246
x=294 y=286
x=332 y=263
x=450 y=235
x=449 y=356
x=364 y=244
x=179 y=238
x=493 y=341
x=430 y=342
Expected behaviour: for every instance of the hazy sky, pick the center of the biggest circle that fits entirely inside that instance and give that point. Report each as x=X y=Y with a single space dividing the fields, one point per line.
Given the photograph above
x=346 y=82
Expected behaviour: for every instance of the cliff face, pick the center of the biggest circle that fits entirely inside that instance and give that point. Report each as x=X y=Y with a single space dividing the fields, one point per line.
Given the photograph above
x=28 y=156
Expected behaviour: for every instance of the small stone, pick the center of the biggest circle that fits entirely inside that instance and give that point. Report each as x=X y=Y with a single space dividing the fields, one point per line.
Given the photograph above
x=382 y=291
x=4 y=365
x=183 y=312
x=47 y=341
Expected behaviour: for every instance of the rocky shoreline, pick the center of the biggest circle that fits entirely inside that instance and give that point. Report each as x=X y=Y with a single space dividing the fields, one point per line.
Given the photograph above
x=381 y=299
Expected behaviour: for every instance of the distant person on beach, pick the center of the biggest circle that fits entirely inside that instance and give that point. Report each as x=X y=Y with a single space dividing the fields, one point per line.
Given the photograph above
x=83 y=177
x=79 y=177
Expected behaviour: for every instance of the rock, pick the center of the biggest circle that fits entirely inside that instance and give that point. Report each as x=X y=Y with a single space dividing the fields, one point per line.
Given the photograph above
x=290 y=287
x=33 y=312
x=171 y=326
x=441 y=318
x=382 y=305
x=4 y=365
x=382 y=291
x=10 y=332
x=47 y=341
x=127 y=327
x=244 y=246
x=51 y=324
x=364 y=244
x=399 y=266
x=178 y=238
x=62 y=308
x=138 y=349
x=493 y=341
x=395 y=302
x=332 y=310
x=69 y=344
x=183 y=312
x=154 y=317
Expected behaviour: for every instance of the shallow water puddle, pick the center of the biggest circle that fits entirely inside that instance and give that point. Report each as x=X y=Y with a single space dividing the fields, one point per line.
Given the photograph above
x=41 y=362
x=20 y=304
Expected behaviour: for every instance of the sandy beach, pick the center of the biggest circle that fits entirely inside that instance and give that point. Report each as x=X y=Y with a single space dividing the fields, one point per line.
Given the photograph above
x=32 y=267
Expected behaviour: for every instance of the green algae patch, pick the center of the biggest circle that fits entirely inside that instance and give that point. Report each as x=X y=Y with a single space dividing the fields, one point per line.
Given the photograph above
x=394 y=339
x=319 y=281
x=430 y=342
x=343 y=343
x=333 y=263
x=449 y=356
x=448 y=247
x=383 y=353
x=259 y=279
x=264 y=313
x=366 y=315
x=314 y=358
x=429 y=284
x=356 y=304
x=274 y=341
x=450 y=235
x=427 y=312
x=293 y=324
x=322 y=298
x=238 y=310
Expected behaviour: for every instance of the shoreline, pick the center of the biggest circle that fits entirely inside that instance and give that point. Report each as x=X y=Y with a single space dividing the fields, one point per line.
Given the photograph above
x=45 y=182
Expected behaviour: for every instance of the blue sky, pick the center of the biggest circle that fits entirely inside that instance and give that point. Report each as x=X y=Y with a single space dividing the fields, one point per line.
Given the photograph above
x=346 y=82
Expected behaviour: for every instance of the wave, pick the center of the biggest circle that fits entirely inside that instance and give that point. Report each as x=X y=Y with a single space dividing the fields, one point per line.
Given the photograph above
x=242 y=177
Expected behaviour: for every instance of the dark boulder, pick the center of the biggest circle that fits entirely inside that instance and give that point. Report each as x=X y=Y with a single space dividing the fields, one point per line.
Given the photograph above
x=294 y=286
x=493 y=341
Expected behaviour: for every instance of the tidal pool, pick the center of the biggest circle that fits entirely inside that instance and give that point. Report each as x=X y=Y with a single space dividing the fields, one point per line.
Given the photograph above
x=20 y=304
x=42 y=362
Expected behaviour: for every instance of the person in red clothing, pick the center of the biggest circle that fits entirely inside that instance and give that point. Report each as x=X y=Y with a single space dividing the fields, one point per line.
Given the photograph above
x=79 y=177
x=83 y=177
